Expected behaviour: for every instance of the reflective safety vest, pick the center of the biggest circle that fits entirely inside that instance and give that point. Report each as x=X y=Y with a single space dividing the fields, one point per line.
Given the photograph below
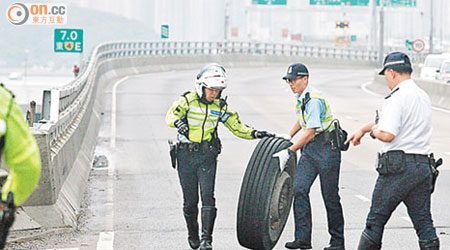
x=5 y=111
x=203 y=119
x=6 y=103
x=20 y=150
x=325 y=121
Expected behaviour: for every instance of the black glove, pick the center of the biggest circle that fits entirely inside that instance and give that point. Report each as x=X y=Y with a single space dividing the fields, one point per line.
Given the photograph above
x=261 y=134
x=183 y=128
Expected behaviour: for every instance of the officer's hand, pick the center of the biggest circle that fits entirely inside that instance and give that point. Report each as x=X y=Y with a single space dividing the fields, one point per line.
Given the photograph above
x=284 y=136
x=283 y=157
x=261 y=134
x=355 y=138
x=183 y=128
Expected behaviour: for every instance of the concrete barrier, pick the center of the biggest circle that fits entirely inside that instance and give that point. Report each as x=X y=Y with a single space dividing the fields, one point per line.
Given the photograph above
x=439 y=92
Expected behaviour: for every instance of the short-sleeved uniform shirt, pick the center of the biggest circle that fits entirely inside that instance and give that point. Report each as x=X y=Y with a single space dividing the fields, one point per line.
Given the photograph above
x=315 y=110
x=407 y=115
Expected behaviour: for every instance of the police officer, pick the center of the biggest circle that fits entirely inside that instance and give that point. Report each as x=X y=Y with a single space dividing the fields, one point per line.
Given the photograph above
x=403 y=162
x=19 y=150
x=318 y=158
x=197 y=115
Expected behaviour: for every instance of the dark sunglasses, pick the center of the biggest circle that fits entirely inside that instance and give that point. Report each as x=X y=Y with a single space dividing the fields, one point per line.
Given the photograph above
x=289 y=81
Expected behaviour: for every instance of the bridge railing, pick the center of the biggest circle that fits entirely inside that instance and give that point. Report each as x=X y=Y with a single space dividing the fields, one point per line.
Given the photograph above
x=62 y=105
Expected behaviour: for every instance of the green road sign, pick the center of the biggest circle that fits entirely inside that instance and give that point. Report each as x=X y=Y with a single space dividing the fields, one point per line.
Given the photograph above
x=340 y=2
x=408 y=45
x=399 y=3
x=69 y=40
x=270 y=2
x=164 y=31
x=387 y=3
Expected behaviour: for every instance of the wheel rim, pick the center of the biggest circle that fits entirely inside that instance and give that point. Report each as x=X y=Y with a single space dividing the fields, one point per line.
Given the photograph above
x=280 y=204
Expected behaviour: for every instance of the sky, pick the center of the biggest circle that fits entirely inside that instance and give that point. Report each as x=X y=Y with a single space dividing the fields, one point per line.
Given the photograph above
x=247 y=20
x=293 y=21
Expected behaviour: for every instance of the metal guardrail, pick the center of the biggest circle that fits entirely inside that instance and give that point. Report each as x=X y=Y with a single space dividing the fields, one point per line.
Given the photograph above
x=180 y=48
x=64 y=106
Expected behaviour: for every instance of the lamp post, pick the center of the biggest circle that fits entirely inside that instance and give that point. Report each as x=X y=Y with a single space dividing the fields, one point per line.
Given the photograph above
x=227 y=20
x=373 y=23
x=25 y=67
x=381 y=35
x=431 y=26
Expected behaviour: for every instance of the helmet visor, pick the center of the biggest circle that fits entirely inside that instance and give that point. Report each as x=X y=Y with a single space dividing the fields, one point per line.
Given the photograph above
x=217 y=88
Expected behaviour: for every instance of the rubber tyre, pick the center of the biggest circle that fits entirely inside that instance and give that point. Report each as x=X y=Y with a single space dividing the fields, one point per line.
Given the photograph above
x=266 y=196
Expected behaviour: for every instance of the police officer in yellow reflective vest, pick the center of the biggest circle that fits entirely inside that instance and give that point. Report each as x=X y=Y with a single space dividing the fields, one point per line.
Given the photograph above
x=319 y=157
x=19 y=150
x=196 y=115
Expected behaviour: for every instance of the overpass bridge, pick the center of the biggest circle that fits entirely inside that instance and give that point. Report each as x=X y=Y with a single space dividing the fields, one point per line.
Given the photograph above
x=117 y=108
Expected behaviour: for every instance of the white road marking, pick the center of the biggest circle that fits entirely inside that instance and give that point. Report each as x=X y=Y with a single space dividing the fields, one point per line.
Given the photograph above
x=364 y=88
x=442 y=110
x=74 y=248
x=363 y=198
x=113 y=111
x=105 y=241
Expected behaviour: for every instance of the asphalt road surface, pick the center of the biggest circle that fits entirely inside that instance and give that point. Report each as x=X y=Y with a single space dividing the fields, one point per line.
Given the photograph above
x=137 y=204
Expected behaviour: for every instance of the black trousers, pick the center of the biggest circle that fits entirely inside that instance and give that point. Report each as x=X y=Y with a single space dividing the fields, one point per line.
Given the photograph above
x=413 y=188
x=318 y=159
x=197 y=169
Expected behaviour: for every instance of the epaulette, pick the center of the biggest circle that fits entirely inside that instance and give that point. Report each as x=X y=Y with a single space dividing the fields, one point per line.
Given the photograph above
x=395 y=90
x=185 y=96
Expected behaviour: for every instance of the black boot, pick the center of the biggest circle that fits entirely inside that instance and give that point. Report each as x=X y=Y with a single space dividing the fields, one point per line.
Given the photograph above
x=429 y=244
x=365 y=243
x=191 y=214
x=298 y=244
x=334 y=247
x=208 y=217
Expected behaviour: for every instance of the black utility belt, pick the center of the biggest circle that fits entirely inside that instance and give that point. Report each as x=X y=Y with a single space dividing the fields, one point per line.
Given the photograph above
x=394 y=161
x=194 y=146
x=197 y=146
x=335 y=137
x=322 y=136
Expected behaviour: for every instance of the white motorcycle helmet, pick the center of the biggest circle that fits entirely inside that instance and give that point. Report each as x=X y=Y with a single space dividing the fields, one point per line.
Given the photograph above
x=211 y=76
